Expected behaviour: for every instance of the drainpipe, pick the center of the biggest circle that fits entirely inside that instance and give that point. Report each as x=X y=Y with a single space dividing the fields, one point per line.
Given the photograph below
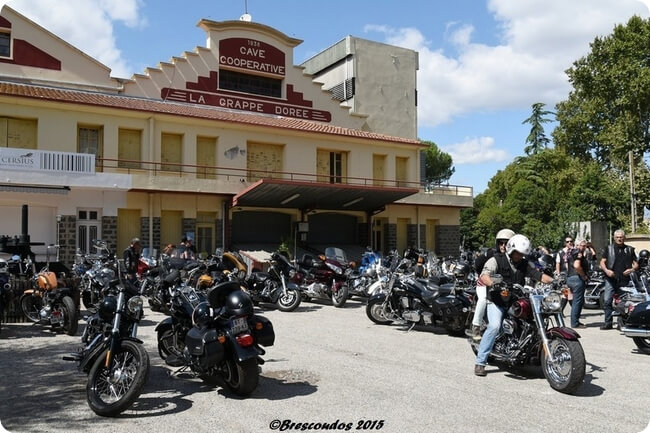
x=151 y=222
x=152 y=142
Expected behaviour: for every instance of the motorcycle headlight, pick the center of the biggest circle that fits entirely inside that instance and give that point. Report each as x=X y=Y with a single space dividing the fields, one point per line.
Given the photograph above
x=552 y=301
x=135 y=304
x=292 y=273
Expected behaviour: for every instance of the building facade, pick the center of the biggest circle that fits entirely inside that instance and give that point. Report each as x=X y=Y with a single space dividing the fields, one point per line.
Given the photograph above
x=230 y=143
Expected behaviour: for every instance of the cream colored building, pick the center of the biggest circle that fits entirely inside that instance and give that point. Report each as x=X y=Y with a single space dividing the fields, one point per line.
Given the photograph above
x=230 y=143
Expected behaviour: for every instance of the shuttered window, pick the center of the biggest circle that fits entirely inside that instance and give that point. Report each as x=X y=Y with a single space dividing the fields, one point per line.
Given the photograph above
x=129 y=150
x=18 y=133
x=171 y=148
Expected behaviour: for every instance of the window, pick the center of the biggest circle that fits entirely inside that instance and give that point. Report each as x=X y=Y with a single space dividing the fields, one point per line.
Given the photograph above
x=205 y=230
x=171 y=146
x=88 y=229
x=331 y=167
x=129 y=148
x=89 y=140
x=18 y=133
x=5 y=44
x=401 y=176
x=238 y=82
x=263 y=161
x=206 y=155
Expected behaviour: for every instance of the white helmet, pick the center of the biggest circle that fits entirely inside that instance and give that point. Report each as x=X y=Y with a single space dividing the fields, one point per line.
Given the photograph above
x=504 y=234
x=518 y=243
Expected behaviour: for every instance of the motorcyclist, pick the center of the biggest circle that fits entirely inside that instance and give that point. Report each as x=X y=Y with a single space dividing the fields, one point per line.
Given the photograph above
x=131 y=258
x=514 y=268
x=481 y=291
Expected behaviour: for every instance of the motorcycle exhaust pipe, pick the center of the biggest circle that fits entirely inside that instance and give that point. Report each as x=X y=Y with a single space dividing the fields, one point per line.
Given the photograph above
x=636 y=332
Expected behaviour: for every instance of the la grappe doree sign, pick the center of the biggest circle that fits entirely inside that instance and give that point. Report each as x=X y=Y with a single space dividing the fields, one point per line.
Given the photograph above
x=254 y=56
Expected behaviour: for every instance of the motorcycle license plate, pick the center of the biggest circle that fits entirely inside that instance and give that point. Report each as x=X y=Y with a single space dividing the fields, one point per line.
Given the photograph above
x=238 y=325
x=56 y=317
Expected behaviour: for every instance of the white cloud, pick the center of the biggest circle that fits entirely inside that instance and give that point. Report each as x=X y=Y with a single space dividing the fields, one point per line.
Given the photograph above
x=540 y=39
x=71 y=20
x=475 y=151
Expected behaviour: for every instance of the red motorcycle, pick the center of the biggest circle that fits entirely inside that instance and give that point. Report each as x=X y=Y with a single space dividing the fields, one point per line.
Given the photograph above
x=323 y=277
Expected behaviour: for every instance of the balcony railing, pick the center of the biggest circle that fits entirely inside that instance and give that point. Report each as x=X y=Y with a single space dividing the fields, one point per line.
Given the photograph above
x=211 y=172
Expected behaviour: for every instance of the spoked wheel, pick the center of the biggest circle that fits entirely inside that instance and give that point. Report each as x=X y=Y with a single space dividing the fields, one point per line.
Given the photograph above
x=375 y=312
x=567 y=372
x=643 y=344
x=290 y=301
x=31 y=306
x=70 y=316
x=339 y=297
x=242 y=377
x=112 y=391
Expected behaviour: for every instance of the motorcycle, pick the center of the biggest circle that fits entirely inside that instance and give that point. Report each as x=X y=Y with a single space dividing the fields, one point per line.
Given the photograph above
x=359 y=280
x=99 y=271
x=275 y=286
x=112 y=356
x=533 y=332
x=215 y=335
x=324 y=277
x=5 y=287
x=595 y=290
x=410 y=300
x=632 y=308
x=46 y=302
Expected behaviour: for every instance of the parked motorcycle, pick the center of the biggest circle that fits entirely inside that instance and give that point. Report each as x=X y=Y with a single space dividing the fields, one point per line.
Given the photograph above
x=323 y=277
x=361 y=278
x=47 y=302
x=275 y=286
x=410 y=300
x=533 y=332
x=632 y=308
x=595 y=290
x=112 y=356
x=216 y=336
x=99 y=271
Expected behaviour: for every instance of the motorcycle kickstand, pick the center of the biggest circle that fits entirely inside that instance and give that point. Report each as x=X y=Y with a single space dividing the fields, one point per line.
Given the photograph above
x=411 y=328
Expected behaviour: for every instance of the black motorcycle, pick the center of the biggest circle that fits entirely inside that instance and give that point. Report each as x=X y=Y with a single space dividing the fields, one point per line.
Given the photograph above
x=533 y=332
x=112 y=356
x=632 y=308
x=274 y=286
x=215 y=335
x=412 y=300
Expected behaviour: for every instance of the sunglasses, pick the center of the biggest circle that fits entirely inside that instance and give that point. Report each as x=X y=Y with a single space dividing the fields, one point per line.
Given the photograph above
x=568 y=241
x=502 y=242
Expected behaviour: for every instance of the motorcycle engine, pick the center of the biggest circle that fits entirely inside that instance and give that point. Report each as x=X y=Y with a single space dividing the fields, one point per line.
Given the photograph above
x=509 y=326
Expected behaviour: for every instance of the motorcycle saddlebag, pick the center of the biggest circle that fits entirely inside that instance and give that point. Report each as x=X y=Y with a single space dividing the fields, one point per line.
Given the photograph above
x=447 y=306
x=265 y=335
x=204 y=344
x=640 y=316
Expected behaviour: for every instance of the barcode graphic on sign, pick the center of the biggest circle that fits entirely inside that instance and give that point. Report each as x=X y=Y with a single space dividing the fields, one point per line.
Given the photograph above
x=67 y=162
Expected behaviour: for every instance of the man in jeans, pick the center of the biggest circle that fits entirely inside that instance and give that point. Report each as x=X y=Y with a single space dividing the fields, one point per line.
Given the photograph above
x=577 y=276
x=618 y=262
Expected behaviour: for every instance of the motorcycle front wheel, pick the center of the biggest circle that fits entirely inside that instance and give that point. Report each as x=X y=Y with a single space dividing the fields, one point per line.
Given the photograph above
x=70 y=316
x=110 y=392
x=567 y=373
x=242 y=377
x=290 y=301
x=643 y=344
x=375 y=312
x=339 y=297
x=31 y=306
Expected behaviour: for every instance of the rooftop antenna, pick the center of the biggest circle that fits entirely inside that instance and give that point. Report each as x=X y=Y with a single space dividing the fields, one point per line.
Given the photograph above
x=246 y=17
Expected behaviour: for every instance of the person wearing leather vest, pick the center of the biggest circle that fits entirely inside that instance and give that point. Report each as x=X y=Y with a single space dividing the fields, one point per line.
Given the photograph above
x=618 y=262
x=514 y=268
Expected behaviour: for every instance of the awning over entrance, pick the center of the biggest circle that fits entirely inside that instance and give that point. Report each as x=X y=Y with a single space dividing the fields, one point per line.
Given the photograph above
x=312 y=195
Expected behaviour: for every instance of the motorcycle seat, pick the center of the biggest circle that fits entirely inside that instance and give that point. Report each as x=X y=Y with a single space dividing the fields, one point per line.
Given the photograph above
x=259 y=277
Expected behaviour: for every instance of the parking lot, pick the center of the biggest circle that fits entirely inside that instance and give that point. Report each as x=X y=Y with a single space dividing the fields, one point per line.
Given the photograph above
x=333 y=367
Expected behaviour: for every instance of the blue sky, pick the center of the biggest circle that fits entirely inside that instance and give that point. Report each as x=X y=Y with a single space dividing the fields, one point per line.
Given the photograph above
x=483 y=63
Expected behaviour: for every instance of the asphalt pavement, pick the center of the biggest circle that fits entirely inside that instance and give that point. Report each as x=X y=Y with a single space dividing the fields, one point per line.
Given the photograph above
x=332 y=369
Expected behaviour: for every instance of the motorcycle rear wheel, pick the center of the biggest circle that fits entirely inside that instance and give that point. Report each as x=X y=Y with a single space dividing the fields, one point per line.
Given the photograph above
x=31 y=306
x=339 y=298
x=166 y=346
x=110 y=393
x=568 y=372
x=643 y=344
x=374 y=311
x=242 y=377
x=289 y=302
x=70 y=316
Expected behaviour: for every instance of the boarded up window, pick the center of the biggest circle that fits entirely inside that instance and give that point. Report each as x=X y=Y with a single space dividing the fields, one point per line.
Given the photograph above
x=129 y=148
x=171 y=148
x=206 y=155
x=402 y=233
x=128 y=227
x=401 y=165
x=171 y=227
x=263 y=161
x=18 y=133
x=90 y=140
x=378 y=169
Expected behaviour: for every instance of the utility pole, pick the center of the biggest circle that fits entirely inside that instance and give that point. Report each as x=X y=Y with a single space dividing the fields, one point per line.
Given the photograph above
x=632 y=194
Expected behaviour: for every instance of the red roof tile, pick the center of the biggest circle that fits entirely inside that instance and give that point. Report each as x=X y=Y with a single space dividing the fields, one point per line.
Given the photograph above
x=74 y=96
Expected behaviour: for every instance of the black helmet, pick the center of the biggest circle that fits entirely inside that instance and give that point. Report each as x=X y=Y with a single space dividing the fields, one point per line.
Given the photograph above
x=547 y=263
x=201 y=314
x=644 y=255
x=239 y=303
x=107 y=308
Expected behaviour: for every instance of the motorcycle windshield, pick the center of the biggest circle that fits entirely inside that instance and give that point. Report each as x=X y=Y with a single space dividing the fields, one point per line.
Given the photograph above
x=336 y=254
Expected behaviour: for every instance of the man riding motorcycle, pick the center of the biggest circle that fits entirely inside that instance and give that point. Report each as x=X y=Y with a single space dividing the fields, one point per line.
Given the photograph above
x=514 y=268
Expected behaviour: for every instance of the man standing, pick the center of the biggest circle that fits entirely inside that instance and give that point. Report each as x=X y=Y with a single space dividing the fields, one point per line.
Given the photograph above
x=577 y=276
x=618 y=262
x=131 y=258
x=562 y=265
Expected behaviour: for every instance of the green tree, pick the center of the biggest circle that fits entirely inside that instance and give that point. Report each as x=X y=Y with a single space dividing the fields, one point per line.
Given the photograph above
x=536 y=139
x=438 y=164
x=607 y=114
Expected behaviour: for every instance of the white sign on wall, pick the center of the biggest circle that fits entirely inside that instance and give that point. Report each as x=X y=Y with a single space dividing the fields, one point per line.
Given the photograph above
x=46 y=161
